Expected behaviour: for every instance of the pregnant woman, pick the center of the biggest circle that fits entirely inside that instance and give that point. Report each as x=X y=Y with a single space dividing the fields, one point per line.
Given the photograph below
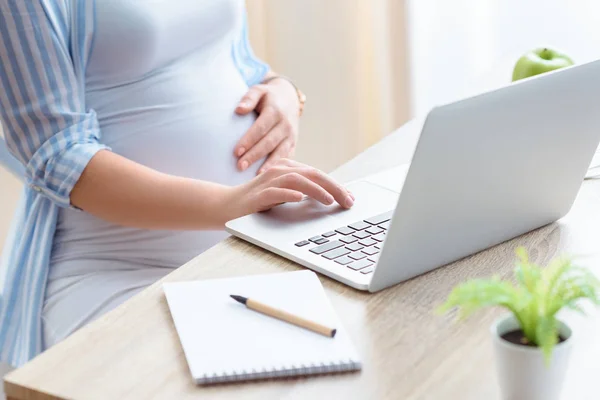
x=144 y=126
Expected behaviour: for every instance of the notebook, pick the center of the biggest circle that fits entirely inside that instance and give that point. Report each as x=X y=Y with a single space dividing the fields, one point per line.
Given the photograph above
x=225 y=341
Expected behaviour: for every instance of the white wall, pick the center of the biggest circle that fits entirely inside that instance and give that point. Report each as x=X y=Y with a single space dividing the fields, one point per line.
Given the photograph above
x=459 y=45
x=349 y=57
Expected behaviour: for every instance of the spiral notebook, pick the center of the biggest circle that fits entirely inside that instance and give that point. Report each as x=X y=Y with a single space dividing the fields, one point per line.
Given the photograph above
x=224 y=341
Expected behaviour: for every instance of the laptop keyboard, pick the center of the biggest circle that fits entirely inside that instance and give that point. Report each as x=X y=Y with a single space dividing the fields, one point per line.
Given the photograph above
x=355 y=246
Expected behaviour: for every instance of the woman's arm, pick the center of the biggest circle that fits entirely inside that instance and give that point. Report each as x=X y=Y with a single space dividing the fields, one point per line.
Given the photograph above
x=47 y=126
x=121 y=191
x=124 y=192
x=50 y=130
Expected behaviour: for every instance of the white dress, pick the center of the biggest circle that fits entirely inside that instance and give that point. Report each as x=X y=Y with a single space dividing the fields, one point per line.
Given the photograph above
x=164 y=84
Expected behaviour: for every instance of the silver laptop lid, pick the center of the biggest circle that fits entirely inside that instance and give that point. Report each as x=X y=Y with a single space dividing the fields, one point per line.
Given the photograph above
x=492 y=167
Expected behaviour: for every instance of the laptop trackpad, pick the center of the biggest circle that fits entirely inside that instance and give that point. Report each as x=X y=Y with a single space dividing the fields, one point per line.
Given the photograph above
x=371 y=199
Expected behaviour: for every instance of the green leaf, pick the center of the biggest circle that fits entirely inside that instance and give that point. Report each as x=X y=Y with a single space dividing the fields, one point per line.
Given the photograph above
x=477 y=293
x=540 y=293
x=546 y=336
x=555 y=273
x=576 y=283
x=528 y=277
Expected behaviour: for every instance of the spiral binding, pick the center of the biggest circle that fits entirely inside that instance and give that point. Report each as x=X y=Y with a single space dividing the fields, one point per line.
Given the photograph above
x=292 y=370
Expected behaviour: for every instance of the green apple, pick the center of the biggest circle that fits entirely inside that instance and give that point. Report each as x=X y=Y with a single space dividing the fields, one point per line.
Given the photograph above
x=539 y=61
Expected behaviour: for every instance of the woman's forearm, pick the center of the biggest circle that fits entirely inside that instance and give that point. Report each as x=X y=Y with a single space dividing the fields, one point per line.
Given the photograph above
x=126 y=193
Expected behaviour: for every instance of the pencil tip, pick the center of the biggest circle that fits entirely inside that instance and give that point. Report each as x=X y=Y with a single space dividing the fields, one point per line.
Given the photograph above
x=239 y=299
x=333 y=332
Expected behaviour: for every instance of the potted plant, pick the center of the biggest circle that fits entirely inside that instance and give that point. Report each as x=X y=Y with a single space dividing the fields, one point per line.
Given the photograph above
x=531 y=344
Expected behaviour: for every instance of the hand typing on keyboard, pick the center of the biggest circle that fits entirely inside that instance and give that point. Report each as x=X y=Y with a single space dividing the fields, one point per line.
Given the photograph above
x=286 y=182
x=355 y=246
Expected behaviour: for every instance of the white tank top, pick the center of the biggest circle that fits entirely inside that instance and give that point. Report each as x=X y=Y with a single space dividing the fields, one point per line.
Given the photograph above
x=164 y=85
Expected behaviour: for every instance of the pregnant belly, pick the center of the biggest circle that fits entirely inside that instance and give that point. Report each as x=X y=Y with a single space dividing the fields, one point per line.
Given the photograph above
x=180 y=122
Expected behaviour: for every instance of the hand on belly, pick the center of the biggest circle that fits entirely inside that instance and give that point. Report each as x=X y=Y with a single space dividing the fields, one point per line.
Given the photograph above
x=274 y=133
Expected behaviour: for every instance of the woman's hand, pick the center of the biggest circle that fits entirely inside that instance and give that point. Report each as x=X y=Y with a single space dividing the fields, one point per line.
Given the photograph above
x=275 y=131
x=285 y=182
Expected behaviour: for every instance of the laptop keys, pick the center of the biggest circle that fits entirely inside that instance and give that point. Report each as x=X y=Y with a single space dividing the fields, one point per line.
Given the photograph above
x=378 y=219
x=361 y=234
x=385 y=225
x=359 y=255
x=374 y=258
x=343 y=260
x=355 y=246
x=367 y=242
x=360 y=264
x=367 y=270
x=379 y=238
x=374 y=230
x=332 y=254
x=358 y=246
x=326 y=247
x=370 y=251
x=359 y=226
x=348 y=239
x=344 y=230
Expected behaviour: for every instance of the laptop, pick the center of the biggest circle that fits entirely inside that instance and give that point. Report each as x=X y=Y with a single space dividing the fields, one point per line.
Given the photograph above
x=485 y=169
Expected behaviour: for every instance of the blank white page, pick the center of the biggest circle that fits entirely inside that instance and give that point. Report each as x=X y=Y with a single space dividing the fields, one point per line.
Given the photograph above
x=223 y=340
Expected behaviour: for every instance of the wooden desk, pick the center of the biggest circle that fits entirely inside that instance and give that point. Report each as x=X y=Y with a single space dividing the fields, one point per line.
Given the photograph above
x=408 y=353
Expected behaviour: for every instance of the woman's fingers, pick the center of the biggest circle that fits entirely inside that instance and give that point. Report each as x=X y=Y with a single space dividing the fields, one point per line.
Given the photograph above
x=273 y=196
x=288 y=162
x=299 y=183
x=267 y=119
x=339 y=193
x=264 y=147
x=250 y=99
x=284 y=150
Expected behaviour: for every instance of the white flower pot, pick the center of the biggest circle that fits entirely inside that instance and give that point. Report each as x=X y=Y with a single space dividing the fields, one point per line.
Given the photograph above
x=522 y=371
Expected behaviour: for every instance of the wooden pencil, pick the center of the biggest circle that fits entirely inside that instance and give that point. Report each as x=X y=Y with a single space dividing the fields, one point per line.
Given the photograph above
x=285 y=316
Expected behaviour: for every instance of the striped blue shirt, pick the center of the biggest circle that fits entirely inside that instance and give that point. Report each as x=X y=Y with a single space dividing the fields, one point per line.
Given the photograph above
x=45 y=46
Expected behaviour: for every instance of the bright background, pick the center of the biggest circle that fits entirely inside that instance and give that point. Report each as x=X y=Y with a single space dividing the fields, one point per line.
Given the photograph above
x=460 y=46
x=368 y=65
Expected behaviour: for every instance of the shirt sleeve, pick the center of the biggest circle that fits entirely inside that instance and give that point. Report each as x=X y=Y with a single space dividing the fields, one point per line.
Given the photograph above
x=252 y=69
x=42 y=101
